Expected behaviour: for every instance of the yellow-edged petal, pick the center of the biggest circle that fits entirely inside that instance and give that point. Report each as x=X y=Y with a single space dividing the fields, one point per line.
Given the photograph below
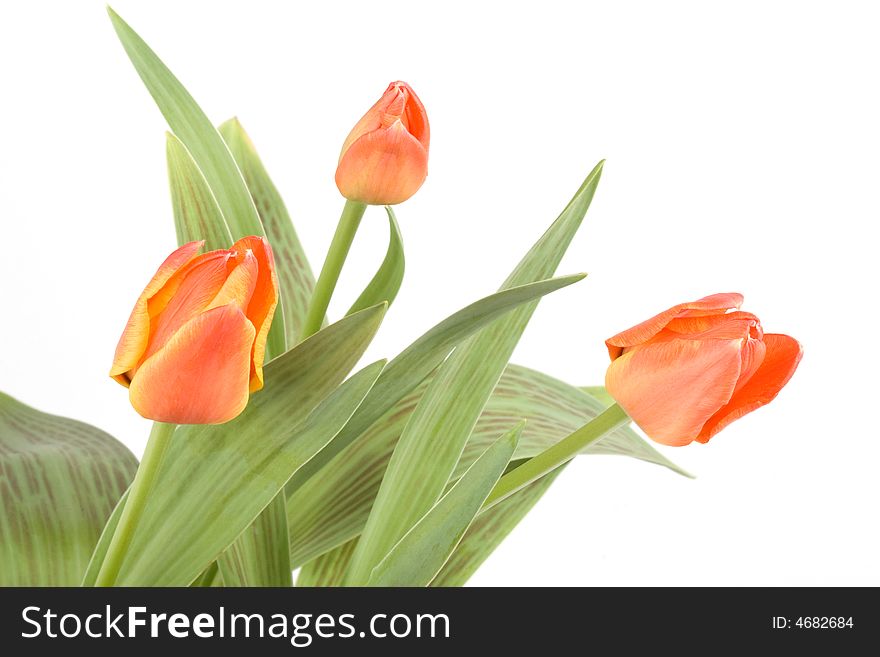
x=201 y=374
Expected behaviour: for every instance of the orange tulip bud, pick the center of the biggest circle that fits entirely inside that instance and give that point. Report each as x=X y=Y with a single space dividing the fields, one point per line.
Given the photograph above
x=384 y=160
x=690 y=371
x=193 y=348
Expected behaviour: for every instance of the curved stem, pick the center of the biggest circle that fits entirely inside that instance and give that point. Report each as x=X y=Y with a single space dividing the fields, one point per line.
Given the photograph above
x=551 y=458
x=336 y=255
x=154 y=455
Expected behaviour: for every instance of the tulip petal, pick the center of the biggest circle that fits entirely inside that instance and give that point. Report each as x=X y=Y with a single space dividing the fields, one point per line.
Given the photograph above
x=783 y=353
x=398 y=102
x=752 y=355
x=188 y=294
x=415 y=117
x=201 y=374
x=724 y=325
x=371 y=121
x=715 y=304
x=263 y=302
x=136 y=335
x=383 y=167
x=240 y=283
x=672 y=388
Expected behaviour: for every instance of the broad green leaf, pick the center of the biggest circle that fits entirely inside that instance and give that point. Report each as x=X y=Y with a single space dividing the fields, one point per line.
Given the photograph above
x=215 y=480
x=90 y=575
x=207 y=148
x=196 y=213
x=600 y=393
x=414 y=363
x=328 y=569
x=494 y=524
x=195 y=130
x=331 y=509
x=431 y=444
x=488 y=530
x=294 y=273
x=59 y=481
x=261 y=555
x=386 y=283
x=417 y=557
x=210 y=577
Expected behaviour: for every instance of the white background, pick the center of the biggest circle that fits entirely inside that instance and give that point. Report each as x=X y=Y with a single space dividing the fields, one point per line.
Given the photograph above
x=743 y=155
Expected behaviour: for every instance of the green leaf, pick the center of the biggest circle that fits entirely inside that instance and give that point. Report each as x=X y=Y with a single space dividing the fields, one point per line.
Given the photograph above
x=328 y=569
x=196 y=213
x=195 y=130
x=261 y=555
x=386 y=283
x=414 y=363
x=215 y=480
x=210 y=577
x=332 y=509
x=59 y=481
x=431 y=444
x=417 y=557
x=207 y=148
x=90 y=574
x=488 y=530
x=600 y=393
x=295 y=276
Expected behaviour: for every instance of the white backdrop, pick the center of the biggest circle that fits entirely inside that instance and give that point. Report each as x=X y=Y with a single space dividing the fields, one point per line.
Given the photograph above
x=742 y=150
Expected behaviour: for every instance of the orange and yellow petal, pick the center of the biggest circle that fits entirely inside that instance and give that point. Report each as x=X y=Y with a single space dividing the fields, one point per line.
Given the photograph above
x=238 y=288
x=370 y=121
x=201 y=374
x=783 y=353
x=383 y=167
x=670 y=389
x=263 y=303
x=136 y=334
x=714 y=304
x=202 y=280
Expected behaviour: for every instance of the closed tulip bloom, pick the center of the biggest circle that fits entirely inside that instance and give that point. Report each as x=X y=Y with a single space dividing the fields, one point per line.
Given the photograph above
x=193 y=348
x=690 y=371
x=384 y=160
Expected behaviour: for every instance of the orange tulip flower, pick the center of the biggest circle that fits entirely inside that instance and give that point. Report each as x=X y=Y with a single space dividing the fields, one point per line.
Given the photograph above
x=193 y=348
x=690 y=371
x=384 y=160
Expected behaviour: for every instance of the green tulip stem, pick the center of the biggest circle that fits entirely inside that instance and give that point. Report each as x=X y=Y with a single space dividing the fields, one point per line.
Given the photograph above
x=151 y=463
x=551 y=458
x=351 y=217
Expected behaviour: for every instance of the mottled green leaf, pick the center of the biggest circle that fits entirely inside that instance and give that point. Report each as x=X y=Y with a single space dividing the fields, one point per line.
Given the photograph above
x=332 y=509
x=431 y=444
x=295 y=276
x=260 y=556
x=196 y=213
x=414 y=363
x=59 y=482
x=328 y=569
x=488 y=530
x=420 y=554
